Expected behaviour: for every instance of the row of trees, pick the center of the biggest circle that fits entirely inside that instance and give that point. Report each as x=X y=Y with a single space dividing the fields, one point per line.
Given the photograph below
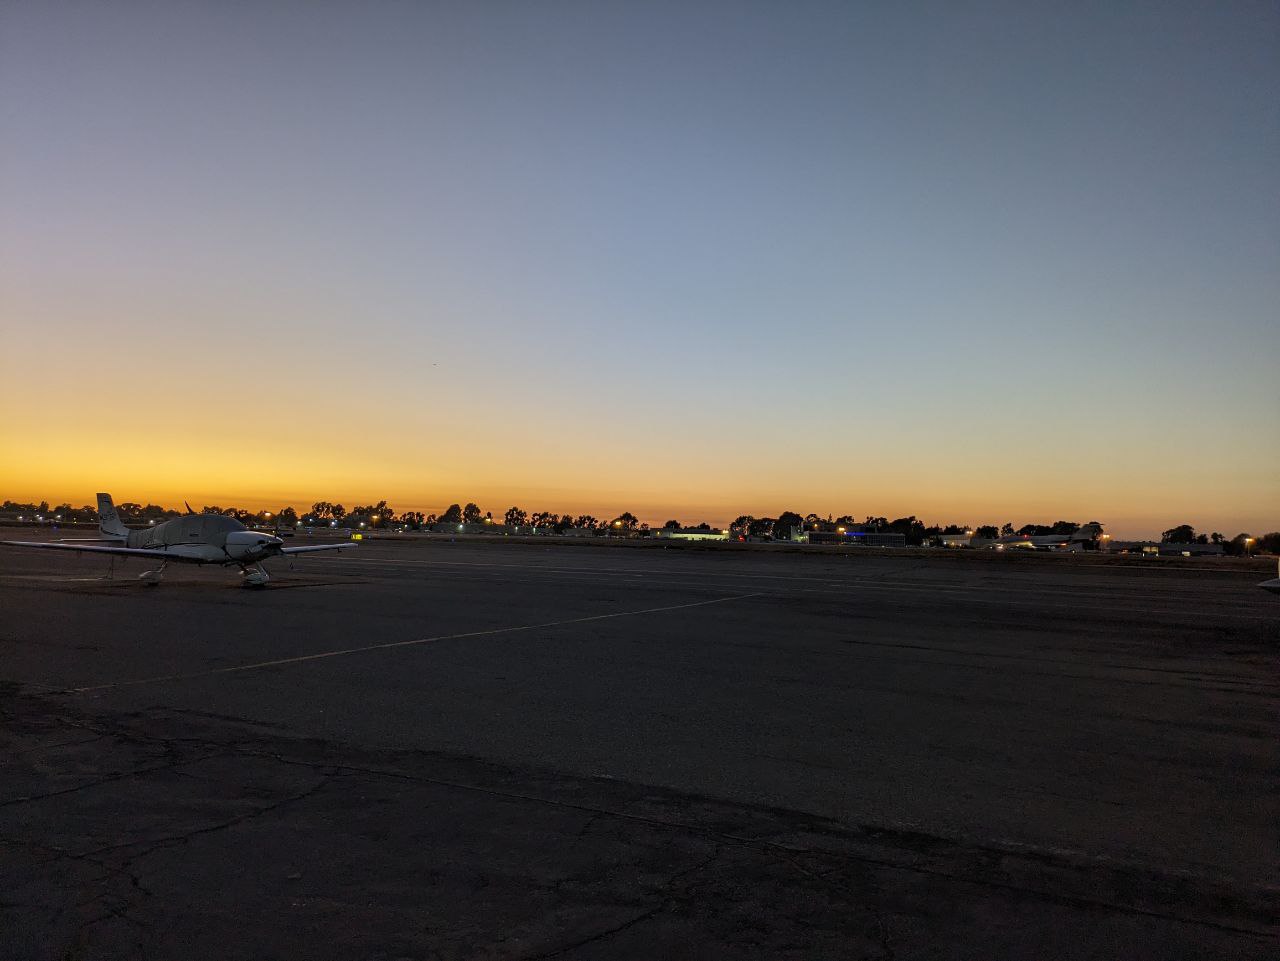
x=914 y=530
x=1235 y=546
x=381 y=514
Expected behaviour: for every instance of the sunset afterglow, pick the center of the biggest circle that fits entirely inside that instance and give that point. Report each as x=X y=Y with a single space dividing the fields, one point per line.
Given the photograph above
x=412 y=255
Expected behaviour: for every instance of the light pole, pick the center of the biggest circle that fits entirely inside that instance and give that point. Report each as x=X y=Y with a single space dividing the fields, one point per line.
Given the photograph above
x=1248 y=543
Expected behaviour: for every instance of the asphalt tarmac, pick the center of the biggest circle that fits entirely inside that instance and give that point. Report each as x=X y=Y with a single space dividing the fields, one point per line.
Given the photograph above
x=456 y=750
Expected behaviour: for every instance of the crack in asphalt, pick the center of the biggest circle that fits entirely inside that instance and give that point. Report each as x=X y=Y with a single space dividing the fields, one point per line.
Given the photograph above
x=178 y=751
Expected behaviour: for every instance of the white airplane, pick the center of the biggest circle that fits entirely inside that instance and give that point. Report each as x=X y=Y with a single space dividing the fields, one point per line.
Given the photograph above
x=193 y=539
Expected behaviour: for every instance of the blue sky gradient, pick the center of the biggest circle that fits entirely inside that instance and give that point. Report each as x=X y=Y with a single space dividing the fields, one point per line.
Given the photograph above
x=979 y=262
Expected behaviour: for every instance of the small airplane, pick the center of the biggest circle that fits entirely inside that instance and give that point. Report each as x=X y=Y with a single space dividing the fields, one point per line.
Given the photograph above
x=192 y=539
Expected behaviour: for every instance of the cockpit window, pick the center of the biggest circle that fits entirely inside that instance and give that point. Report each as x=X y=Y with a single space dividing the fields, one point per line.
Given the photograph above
x=219 y=524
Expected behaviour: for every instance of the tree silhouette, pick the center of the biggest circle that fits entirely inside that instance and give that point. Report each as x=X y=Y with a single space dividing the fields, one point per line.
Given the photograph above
x=626 y=521
x=515 y=517
x=786 y=521
x=910 y=527
x=471 y=514
x=452 y=514
x=1182 y=534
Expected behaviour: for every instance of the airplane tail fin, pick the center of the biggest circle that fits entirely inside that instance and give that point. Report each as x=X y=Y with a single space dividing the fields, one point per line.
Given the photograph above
x=109 y=523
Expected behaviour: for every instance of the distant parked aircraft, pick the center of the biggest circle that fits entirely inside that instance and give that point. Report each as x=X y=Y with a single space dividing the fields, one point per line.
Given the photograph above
x=193 y=539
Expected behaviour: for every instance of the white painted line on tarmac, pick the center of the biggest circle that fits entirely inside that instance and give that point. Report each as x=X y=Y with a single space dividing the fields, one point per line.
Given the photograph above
x=279 y=662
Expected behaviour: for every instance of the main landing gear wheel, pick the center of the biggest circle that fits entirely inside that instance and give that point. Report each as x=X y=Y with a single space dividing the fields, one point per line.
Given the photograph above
x=152 y=578
x=255 y=576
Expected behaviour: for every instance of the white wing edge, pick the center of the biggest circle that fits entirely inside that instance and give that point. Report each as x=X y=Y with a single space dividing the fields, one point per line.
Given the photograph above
x=128 y=551
x=316 y=547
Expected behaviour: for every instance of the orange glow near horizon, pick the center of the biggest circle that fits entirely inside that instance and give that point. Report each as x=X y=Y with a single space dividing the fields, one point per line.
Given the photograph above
x=170 y=466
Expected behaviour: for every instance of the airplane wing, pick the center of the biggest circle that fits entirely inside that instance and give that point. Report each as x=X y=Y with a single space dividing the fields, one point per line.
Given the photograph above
x=316 y=547
x=74 y=546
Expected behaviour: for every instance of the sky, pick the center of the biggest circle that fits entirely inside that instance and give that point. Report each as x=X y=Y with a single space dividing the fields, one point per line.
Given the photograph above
x=976 y=262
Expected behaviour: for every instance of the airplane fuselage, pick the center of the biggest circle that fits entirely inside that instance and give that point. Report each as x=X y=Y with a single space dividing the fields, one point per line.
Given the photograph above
x=206 y=539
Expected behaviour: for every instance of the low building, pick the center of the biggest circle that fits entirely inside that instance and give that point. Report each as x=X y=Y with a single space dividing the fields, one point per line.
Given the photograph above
x=690 y=534
x=1167 y=548
x=446 y=527
x=1033 y=542
x=858 y=537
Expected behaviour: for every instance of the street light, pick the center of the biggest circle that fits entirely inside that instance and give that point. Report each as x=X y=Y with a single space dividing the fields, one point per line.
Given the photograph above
x=1248 y=543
